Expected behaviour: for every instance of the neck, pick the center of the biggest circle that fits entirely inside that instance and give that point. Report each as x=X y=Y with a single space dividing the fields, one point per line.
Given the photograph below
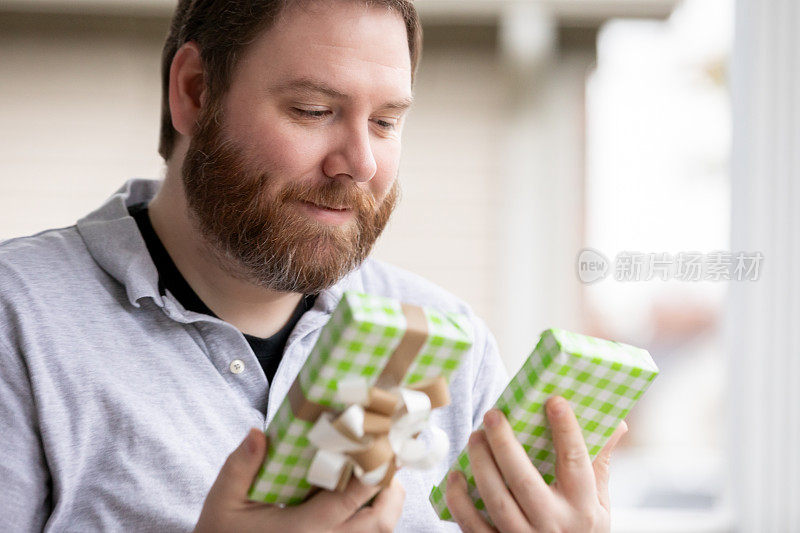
x=250 y=308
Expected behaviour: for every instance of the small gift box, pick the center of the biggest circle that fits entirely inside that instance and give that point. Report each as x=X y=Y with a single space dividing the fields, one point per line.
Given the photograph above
x=600 y=379
x=362 y=398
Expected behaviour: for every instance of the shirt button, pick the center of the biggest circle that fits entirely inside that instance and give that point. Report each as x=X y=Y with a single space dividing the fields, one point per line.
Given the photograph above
x=237 y=366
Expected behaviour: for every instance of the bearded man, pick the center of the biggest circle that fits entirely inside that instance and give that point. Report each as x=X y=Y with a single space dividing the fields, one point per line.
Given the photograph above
x=139 y=345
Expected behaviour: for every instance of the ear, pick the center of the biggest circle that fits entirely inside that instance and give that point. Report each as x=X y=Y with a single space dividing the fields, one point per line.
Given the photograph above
x=187 y=89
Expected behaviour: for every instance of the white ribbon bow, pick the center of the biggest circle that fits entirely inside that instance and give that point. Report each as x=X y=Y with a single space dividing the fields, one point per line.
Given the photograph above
x=331 y=461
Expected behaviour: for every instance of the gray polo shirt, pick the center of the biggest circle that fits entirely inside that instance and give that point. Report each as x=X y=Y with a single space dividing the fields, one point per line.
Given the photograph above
x=118 y=407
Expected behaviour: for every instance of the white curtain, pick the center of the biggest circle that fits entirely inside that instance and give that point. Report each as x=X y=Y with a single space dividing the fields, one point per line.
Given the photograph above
x=764 y=320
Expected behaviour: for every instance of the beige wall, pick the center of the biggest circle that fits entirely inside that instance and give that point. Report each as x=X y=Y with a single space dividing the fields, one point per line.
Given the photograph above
x=446 y=226
x=79 y=108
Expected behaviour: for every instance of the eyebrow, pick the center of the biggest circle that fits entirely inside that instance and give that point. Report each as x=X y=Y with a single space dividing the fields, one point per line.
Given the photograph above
x=310 y=85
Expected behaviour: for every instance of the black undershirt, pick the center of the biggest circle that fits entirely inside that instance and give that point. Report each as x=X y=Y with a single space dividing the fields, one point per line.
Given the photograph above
x=269 y=351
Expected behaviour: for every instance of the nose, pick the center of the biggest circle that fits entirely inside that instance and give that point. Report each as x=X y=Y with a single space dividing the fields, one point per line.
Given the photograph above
x=351 y=155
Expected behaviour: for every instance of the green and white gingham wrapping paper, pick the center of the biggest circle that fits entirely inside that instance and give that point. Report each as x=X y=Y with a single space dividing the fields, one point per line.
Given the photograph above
x=358 y=340
x=601 y=380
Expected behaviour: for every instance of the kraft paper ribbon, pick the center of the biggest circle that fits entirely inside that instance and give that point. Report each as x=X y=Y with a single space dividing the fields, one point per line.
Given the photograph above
x=378 y=431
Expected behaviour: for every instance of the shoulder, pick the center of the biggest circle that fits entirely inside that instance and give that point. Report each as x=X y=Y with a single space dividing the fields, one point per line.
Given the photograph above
x=42 y=271
x=41 y=255
x=389 y=280
x=43 y=240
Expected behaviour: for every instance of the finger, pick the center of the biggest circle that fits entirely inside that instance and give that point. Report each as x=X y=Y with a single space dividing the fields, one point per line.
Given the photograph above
x=384 y=512
x=461 y=506
x=389 y=502
x=336 y=507
x=601 y=464
x=500 y=504
x=237 y=474
x=573 y=467
x=525 y=482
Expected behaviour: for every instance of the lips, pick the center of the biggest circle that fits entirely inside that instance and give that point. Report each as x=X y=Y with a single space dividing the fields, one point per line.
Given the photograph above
x=327 y=214
x=329 y=207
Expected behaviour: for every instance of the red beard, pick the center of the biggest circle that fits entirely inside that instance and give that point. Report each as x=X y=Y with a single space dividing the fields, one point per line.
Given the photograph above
x=261 y=235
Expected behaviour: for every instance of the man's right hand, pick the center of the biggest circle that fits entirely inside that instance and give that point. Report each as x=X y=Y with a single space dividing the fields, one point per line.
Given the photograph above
x=227 y=507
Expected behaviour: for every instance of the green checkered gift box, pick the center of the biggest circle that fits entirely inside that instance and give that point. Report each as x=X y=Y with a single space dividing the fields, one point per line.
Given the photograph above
x=600 y=379
x=369 y=338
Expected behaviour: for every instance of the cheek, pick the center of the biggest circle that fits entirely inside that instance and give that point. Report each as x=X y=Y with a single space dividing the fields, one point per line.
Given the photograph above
x=282 y=150
x=387 y=159
x=271 y=143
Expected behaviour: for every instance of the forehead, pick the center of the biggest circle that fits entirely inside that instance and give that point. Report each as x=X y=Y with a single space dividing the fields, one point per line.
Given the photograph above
x=355 y=48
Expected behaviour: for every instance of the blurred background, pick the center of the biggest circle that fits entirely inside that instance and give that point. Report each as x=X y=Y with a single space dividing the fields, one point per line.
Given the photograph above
x=540 y=129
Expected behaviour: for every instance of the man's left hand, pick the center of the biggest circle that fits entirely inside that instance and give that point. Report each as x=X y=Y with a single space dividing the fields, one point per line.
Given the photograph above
x=516 y=496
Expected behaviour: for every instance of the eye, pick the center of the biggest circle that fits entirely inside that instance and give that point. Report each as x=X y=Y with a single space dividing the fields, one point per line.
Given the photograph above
x=385 y=124
x=310 y=113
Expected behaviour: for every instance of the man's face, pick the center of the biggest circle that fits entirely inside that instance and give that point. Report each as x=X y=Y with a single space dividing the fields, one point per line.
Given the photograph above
x=291 y=178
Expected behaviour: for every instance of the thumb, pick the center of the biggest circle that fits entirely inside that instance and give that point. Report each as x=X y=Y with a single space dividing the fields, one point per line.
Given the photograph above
x=240 y=469
x=601 y=464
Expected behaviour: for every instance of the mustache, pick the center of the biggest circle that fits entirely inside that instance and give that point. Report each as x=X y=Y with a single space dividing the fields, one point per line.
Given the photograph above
x=333 y=195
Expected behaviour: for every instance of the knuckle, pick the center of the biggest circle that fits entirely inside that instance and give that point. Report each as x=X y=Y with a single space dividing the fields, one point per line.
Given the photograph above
x=502 y=507
x=233 y=466
x=590 y=521
x=501 y=510
x=384 y=525
x=551 y=528
x=603 y=460
x=350 y=502
x=467 y=526
x=505 y=444
x=587 y=522
x=523 y=487
x=573 y=456
x=498 y=508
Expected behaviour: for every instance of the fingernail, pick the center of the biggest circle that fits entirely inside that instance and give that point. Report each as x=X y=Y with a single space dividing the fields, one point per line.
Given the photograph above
x=475 y=438
x=250 y=441
x=457 y=478
x=558 y=406
x=491 y=418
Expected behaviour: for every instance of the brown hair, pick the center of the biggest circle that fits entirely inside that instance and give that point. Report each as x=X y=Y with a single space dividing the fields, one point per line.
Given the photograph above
x=223 y=29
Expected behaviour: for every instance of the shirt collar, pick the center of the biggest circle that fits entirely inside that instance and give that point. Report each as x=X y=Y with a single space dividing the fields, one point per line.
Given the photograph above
x=114 y=241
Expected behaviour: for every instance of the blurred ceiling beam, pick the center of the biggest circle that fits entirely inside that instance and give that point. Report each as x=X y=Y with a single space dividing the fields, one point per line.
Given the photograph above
x=138 y=8
x=567 y=12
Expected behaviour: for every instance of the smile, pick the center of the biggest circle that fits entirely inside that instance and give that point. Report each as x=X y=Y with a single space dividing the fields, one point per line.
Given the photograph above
x=326 y=214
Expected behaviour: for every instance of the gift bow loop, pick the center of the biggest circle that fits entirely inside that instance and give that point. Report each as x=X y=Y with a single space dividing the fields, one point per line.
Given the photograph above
x=377 y=433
